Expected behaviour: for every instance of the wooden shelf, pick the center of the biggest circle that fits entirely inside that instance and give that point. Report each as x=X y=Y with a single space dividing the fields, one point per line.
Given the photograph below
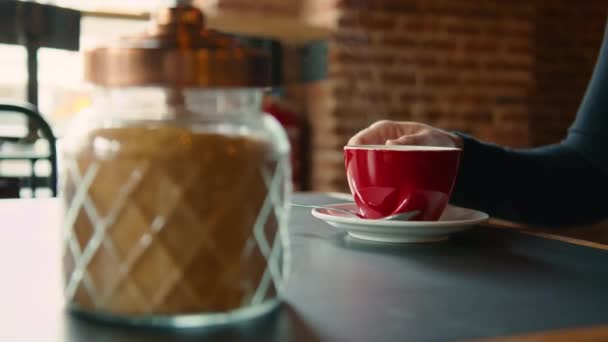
x=111 y=14
x=288 y=30
x=279 y=28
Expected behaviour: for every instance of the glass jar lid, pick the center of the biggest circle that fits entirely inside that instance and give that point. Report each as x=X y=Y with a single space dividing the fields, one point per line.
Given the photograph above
x=177 y=51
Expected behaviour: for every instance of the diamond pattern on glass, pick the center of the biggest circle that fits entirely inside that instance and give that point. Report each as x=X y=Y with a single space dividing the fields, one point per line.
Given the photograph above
x=272 y=253
x=156 y=243
x=100 y=224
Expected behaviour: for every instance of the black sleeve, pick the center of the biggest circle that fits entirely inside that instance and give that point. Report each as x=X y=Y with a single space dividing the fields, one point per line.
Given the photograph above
x=562 y=184
x=552 y=185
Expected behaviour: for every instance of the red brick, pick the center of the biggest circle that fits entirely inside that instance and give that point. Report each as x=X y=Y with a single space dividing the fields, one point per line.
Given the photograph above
x=329 y=142
x=511 y=118
x=462 y=63
x=410 y=98
x=445 y=45
x=360 y=56
x=429 y=114
x=464 y=28
x=420 y=26
x=462 y=8
x=383 y=5
x=506 y=66
x=348 y=111
x=523 y=31
x=441 y=81
x=398 y=114
x=485 y=81
x=429 y=61
x=357 y=75
x=353 y=127
x=373 y=96
x=350 y=38
x=511 y=100
x=481 y=47
x=519 y=46
x=399 y=41
x=397 y=77
x=368 y=21
x=478 y=117
x=562 y=78
x=468 y=99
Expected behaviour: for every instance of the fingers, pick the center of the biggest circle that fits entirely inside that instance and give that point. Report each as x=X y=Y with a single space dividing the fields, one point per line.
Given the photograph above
x=365 y=137
x=381 y=131
x=425 y=138
x=420 y=138
x=375 y=134
x=404 y=133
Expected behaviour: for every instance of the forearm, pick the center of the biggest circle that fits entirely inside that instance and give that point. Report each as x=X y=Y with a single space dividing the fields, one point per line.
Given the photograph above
x=553 y=185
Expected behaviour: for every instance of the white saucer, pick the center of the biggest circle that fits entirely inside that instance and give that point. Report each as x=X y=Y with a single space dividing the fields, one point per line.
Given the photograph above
x=454 y=219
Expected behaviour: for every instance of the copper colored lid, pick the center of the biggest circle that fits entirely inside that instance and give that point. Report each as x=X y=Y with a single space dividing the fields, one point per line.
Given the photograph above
x=177 y=51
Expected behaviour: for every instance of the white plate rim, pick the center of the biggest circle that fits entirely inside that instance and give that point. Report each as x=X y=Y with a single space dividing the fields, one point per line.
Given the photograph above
x=477 y=218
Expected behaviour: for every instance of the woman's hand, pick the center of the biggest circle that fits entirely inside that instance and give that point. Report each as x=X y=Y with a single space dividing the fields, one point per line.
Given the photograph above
x=405 y=133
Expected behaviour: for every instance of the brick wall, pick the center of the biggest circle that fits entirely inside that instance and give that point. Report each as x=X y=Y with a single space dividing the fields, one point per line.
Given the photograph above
x=510 y=72
x=566 y=41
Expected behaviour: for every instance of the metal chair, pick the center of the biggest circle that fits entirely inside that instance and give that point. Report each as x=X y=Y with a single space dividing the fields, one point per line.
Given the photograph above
x=32 y=181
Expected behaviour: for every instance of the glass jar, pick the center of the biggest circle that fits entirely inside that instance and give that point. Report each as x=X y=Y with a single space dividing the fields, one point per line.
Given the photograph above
x=175 y=188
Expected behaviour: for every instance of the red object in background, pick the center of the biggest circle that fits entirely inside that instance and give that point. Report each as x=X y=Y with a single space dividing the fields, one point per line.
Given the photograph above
x=390 y=181
x=291 y=123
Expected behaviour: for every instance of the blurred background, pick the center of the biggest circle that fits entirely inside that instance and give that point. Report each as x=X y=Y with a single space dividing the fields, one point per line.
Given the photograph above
x=510 y=72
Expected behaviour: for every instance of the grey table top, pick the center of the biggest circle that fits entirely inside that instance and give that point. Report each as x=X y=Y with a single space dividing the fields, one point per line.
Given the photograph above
x=482 y=283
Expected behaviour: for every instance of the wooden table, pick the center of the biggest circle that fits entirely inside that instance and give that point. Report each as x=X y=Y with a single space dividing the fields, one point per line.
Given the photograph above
x=481 y=284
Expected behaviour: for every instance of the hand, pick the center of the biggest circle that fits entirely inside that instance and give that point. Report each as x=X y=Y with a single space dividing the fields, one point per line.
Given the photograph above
x=405 y=133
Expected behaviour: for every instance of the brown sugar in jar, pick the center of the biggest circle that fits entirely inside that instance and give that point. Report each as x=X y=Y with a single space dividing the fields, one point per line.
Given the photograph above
x=168 y=223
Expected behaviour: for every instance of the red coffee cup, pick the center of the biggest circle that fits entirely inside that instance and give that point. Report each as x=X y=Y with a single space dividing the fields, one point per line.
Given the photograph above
x=387 y=180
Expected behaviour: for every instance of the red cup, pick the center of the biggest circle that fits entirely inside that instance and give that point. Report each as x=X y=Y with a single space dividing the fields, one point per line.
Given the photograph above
x=387 y=180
